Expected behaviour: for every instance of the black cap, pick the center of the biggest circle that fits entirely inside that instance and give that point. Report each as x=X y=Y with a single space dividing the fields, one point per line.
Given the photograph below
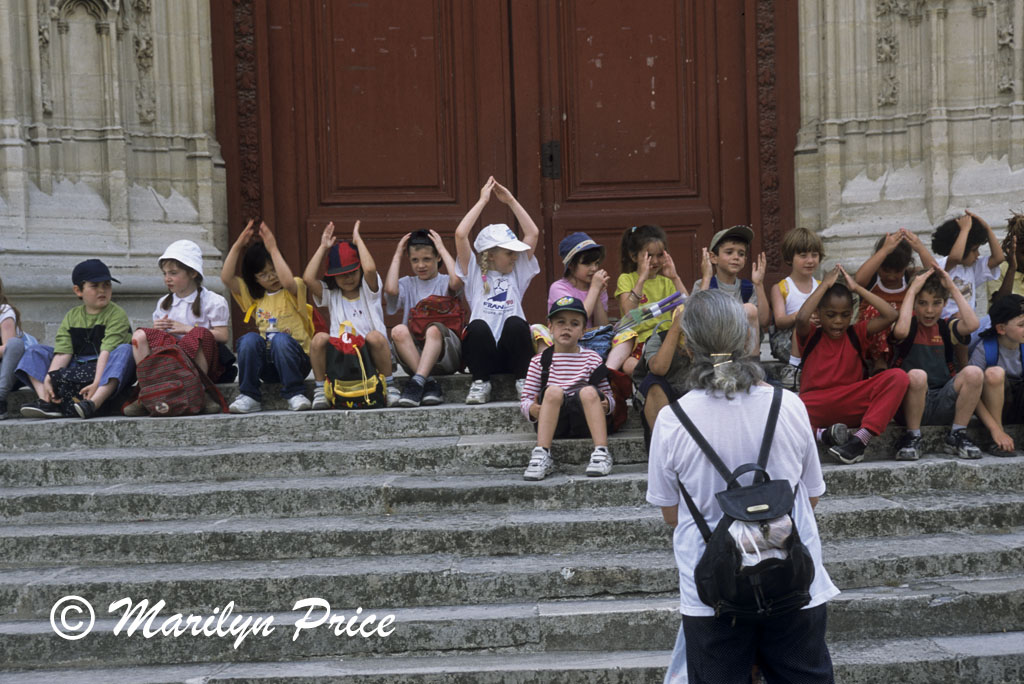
x=420 y=238
x=91 y=271
x=1005 y=309
x=567 y=304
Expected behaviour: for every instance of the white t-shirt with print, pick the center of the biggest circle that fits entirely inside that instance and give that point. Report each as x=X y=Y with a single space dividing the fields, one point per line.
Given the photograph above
x=213 y=310
x=505 y=296
x=734 y=428
x=364 y=312
x=7 y=312
x=413 y=290
x=968 y=279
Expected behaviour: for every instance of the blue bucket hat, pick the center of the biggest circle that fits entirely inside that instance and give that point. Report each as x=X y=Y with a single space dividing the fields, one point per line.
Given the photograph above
x=573 y=244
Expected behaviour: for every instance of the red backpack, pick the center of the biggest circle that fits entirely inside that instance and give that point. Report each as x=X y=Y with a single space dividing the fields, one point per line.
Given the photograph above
x=171 y=385
x=442 y=309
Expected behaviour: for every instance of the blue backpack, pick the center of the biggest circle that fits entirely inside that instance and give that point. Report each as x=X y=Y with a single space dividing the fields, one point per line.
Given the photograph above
x=746 y=288
x=992 y=351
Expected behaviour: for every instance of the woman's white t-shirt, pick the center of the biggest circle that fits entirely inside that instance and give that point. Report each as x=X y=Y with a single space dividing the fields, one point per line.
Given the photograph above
x=734 y=428
x=364 y=312
x=213 y=310
x=505 y=296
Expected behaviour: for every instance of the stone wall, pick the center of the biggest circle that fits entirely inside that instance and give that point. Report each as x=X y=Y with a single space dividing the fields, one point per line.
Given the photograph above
x=911 y=110
x=107 y=147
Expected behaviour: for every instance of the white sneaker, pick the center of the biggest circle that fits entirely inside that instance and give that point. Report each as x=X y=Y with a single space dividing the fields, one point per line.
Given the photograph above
x=320 y=399
x=479 y=392
x=245 y=404
x=298 y=403
x=540 y=464
x=600 y=462
x=520 y=384
x=394 y=394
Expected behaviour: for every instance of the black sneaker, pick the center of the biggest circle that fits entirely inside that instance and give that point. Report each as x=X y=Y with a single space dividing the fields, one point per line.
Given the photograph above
x=852 y=451
x=3 y=409
x=909 y=448
x=432 y=394
x=959 y=444
x=85 y=408
x=412 y=395
x=835 y=434
x=41 y=409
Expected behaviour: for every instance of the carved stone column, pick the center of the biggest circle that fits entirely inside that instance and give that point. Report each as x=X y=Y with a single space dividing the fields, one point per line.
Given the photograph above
x=107 y=146
x=911 y=111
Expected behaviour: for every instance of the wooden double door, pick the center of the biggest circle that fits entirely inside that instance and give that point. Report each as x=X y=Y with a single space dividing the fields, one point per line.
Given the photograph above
x=597 y=114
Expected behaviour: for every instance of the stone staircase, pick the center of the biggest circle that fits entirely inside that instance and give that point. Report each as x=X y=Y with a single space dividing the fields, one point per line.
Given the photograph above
x=423 y=514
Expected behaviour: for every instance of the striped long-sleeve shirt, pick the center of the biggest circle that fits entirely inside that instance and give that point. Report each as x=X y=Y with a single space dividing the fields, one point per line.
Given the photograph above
x=570 y=371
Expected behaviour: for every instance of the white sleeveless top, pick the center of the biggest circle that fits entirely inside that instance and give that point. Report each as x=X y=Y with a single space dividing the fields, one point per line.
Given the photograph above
x=794 y=297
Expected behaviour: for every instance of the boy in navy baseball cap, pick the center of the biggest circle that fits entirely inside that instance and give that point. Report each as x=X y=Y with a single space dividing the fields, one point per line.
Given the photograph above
x=564 y=395
x=91 y=360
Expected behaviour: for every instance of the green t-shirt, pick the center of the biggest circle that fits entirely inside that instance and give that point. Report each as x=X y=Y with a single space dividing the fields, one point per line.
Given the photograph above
x=86 y=335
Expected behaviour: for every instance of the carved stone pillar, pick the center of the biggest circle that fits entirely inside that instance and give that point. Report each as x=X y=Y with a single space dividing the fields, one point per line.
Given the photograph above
x=911 y=111
x=107 y=146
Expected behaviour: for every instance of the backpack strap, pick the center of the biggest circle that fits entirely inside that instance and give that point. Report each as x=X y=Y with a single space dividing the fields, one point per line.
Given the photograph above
x=746 y=290
x=901 y=349
x=769 y=432
x=947 y=344
x=809 y=347
x=784 y=288
x=546 y=357
x=702 y=443
x=713 y=284
x=991 y=350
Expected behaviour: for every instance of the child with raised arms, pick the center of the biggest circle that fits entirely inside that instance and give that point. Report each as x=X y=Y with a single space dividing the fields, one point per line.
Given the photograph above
x=496 y=270
x=956 y=244
x=189 y=316
x=721 y=264
x=268 y=292
x=351 y=290
x=648 y=275
x=834 y=385
x=439 y=352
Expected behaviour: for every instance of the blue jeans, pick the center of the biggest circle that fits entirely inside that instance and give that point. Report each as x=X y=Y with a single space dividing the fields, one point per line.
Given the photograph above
x=35 y=363
x=284 y=362
x=13 y=351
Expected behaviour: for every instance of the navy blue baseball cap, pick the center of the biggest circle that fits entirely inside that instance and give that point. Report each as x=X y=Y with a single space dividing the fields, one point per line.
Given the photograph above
x=573 y=244
x=91 y=271
x=567 y=304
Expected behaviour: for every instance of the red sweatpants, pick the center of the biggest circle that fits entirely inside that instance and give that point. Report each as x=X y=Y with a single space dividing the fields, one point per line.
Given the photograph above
x=869 y=403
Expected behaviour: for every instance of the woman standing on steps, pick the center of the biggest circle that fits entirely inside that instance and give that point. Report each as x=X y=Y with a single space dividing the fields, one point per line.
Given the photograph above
x=729 y=405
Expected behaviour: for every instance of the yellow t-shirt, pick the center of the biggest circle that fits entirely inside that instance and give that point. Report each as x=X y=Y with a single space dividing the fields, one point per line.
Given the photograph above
x=1018 y=282
x=289 y=310
x=655 y=289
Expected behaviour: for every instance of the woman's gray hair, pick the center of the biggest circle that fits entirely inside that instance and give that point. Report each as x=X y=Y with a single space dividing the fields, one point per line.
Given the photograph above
x=719 y=337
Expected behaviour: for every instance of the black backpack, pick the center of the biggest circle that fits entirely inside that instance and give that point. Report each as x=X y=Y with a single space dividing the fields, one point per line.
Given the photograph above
x=773 y=586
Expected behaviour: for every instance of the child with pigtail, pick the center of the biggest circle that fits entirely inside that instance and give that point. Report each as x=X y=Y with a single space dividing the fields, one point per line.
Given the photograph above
x=496 y=270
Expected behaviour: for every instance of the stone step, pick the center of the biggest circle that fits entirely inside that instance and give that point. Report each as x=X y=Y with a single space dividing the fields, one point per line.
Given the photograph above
x=455 y=387
x=312 y=496
x=974 y=658
x=396 y=493
x=467 y=455
x=445 y=579
x=266 y=427
x=468 y=533
x=930 y=609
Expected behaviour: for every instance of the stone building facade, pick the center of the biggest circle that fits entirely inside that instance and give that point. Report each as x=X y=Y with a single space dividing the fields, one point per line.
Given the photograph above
x=910 y=111
x=107 y=146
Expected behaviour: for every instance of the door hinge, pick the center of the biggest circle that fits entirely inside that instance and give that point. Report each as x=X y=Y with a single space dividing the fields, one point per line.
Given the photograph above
x=551 y=159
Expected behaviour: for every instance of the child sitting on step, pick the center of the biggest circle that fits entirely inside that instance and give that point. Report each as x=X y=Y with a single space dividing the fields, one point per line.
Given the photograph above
x=189 y=316
x=648 y=275
x=439 y=351
x=922 y=342
x=721 y=264
x=13 y=343
x=887 y=274
x=564 y=395
x=351 y=290
x=268 y=291
x=91 y=361
x=496 y=270
x=802 y=250
x=1001 y=355
x=834 y=385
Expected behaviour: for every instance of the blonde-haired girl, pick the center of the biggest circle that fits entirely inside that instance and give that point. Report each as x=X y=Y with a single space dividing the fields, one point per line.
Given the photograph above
x=496 y=274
